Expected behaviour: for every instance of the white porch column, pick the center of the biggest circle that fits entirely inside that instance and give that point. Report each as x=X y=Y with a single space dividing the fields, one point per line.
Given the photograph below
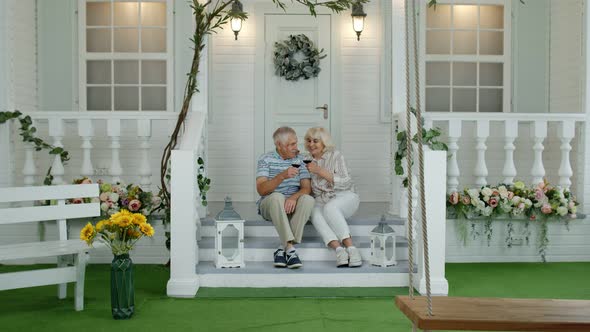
x=435 y=185
x=184 y=281
x=398 y=98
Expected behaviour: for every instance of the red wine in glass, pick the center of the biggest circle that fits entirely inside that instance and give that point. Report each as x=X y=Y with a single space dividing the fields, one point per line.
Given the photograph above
x=307 y=161
x=295 y=165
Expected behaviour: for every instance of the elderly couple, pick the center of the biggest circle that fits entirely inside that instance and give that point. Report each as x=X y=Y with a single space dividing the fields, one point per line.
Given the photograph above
x=293 y=188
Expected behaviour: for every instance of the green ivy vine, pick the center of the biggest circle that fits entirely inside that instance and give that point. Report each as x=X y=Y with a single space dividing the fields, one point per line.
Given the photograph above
x=429 y=138
x=27 y=132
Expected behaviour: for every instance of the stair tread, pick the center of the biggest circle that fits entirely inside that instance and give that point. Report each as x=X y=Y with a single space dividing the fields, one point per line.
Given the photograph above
x=353 y=221
x=271 y=242
x=309 y=267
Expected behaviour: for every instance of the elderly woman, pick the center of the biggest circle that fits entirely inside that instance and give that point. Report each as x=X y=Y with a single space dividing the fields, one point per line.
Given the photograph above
x=335 y=196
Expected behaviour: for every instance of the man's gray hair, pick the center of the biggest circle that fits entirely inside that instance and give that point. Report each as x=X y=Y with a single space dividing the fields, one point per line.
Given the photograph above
x=282 y=134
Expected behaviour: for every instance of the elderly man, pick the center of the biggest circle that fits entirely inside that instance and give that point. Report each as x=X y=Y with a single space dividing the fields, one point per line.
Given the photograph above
x=284 y=185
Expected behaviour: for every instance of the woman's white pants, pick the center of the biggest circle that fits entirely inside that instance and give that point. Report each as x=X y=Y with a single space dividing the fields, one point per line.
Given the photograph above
x=330 y=219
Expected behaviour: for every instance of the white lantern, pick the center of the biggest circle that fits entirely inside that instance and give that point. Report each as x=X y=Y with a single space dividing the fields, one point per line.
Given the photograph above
x=382 y=245
x=229 y=237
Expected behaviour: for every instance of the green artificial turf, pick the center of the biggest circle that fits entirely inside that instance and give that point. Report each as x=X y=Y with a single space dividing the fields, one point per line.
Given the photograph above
x=243 y=309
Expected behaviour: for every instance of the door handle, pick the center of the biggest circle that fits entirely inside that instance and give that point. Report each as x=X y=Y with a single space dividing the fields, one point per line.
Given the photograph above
x=325 y=108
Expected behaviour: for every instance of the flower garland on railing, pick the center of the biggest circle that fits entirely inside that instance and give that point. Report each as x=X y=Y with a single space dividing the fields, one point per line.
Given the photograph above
x=541 y=203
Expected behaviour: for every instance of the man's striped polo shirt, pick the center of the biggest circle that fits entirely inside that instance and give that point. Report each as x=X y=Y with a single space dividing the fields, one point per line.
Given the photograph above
x=271 y=164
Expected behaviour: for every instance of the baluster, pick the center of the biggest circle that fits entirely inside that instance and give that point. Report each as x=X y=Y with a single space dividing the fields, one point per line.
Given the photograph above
x=481 y=170
x=510 y=134
x=86 y=132
x=114 y=132
x=539 y=134
x=566 y=132
x=453 y=172
x=56 y=130
x=29 y=167
x=144 y=132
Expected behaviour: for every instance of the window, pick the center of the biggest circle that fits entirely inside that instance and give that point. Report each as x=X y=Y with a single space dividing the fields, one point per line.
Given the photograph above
x=466 y=63
x=126 y=62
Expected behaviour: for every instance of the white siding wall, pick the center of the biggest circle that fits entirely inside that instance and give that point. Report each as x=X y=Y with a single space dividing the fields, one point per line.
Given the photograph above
x=564 y=245
x=566 y=56
x=363 y=141
x=25 y=55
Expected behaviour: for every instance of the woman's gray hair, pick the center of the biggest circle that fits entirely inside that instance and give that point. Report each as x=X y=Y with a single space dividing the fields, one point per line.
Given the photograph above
x=282 y=134
x=323 y=135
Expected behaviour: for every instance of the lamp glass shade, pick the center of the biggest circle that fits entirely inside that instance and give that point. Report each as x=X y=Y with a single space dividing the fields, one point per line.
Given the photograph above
x=236 y=24
x=358 y=23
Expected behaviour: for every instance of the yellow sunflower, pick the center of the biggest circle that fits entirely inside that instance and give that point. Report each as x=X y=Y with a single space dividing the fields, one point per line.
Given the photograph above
x=146 y=229
x=138 y=219
x=102 y=224
x=88 y=233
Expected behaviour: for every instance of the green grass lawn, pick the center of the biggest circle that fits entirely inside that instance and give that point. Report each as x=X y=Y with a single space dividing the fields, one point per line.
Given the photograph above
x=308 y=309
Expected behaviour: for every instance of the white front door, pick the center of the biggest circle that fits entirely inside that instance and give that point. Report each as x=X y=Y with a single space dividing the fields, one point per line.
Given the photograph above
x=297 y=104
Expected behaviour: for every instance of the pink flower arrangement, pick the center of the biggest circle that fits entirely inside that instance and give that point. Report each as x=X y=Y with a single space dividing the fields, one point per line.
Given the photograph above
x=513 y=200
x=117 y=196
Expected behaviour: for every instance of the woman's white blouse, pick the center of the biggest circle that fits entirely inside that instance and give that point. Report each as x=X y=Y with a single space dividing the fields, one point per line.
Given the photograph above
x=323 y=190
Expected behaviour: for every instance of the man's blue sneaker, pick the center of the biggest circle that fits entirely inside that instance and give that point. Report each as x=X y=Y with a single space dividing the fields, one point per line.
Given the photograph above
x=293 y=261
x=280 y=260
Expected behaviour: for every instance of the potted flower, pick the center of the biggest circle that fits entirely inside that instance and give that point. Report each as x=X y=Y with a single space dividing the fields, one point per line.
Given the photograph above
x=120 y=233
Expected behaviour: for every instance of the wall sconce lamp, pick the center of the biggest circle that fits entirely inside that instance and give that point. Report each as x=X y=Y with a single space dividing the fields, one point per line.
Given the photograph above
x=358 y=19
x=236 y=21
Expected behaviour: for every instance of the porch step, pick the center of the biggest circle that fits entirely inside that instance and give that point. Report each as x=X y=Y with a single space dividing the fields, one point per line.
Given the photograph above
x=260 y=249
x=359 y=226
x=312 y=274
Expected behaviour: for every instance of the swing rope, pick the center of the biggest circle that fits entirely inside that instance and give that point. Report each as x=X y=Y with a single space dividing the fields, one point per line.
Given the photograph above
x=420 y=157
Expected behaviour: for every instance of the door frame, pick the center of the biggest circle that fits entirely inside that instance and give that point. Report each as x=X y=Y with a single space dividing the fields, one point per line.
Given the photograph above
x=260 y=11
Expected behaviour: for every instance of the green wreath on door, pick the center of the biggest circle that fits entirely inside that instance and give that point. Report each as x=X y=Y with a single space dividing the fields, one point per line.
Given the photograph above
x=297 y=57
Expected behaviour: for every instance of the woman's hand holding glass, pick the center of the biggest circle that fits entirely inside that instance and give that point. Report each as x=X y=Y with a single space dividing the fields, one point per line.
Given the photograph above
x=313 y=167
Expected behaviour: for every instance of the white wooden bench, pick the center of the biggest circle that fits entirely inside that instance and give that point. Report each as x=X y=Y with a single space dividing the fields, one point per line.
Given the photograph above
x=63 y=248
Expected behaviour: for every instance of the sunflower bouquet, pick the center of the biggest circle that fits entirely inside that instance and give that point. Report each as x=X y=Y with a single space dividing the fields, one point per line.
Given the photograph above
x=120 y=232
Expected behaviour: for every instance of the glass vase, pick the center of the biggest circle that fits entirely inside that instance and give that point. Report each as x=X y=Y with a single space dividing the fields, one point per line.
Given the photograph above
x=122 y=288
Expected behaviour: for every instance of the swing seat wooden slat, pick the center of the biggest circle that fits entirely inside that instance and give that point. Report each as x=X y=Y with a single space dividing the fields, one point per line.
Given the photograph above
x=496 y=314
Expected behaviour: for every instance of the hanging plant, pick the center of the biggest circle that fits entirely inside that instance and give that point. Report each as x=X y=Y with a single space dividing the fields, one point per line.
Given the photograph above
x=297 y=58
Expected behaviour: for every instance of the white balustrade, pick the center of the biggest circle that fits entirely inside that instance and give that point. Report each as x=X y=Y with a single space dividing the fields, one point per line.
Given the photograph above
x=453 y=172
x=114 y=132
x=481 y=169
x=566 y=133
x=510 y=134
x=566 y=125
x=86 y=132
x=144 y=132
x=539 y=135
x=56 y=130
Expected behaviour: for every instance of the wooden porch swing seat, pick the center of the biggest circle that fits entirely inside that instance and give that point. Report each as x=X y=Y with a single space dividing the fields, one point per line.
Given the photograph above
x=496 y=314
